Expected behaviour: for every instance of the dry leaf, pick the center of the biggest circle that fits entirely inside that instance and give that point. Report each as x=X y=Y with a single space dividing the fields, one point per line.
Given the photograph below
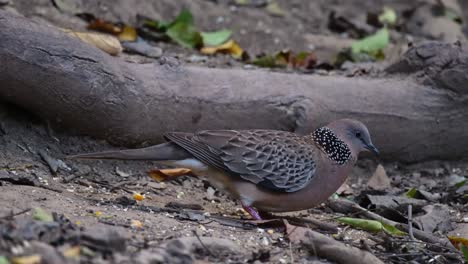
x=456 y=241
x=136 y=224
x=379 y=180
x=345 y=189
x=104 y=26
x=138 y=197
x=230 y=47
x=165 y=174
x=107 y=43
x=72 y=252
x=296 y=234
x=128 y=34
x=33 y=259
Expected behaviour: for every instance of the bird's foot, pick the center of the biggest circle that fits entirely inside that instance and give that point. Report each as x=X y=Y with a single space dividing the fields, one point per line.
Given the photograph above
x=252 y=212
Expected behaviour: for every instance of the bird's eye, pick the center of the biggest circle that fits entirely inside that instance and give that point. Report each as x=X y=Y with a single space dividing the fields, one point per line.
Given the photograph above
x=358 y=134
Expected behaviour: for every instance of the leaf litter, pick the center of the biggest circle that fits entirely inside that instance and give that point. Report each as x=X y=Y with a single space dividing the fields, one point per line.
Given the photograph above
x=172 y=187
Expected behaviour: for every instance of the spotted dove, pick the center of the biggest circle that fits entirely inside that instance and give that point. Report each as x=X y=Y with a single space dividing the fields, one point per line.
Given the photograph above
x=269 y=170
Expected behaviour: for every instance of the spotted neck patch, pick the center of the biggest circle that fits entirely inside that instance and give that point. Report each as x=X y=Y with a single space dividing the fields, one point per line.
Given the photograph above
x=334 y=147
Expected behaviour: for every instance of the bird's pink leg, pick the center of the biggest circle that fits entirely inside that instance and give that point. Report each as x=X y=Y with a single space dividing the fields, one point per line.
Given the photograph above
x=254 y=214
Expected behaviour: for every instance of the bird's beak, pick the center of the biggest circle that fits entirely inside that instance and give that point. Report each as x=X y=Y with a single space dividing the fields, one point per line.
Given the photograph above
x=372 y=149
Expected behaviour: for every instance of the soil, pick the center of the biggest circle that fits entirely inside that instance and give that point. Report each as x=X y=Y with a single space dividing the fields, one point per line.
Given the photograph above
x=97 y=195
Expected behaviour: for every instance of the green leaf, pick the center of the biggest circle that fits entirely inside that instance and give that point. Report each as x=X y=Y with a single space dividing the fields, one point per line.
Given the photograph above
x=182 y=31
x=4 y=260
x=267 y=61
x=388 y=16
x=185 y=35
x=389 y=229
x=368 y=225
x=184 y=17
x=464 y=250
x=372 y=45
x=41 y=215
x=411 y=193
x=371 y=225
x=215 y=38
x=460 y=184
x=159 y=26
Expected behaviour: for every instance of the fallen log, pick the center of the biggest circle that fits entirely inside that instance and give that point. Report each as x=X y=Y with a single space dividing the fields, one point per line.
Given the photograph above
x=416 y=111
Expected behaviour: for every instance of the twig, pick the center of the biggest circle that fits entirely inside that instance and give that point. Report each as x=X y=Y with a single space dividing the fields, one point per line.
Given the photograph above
x=203 y=244
x=49 y=188
x=327 y=247
x=113 y=223
x=314 y=222
x=414 y=254
x=291 y=256
x=345 y=207
x=410 y=222
x=420 y=242
x=15 y=214
x=70 y=178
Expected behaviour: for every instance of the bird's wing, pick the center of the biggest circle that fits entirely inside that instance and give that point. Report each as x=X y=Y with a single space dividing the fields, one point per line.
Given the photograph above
x=276 y=160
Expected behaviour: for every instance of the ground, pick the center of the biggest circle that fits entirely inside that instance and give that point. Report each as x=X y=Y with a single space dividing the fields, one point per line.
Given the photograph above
x=96 y=196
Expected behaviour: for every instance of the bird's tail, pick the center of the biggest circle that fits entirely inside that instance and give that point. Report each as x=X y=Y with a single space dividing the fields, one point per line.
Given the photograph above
x=165 y=151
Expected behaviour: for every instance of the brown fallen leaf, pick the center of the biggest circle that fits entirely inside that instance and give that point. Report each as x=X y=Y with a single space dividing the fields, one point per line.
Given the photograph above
x=122 y=32
x=456 y=241
x=379 y=180
x=229 y=47
x=287 y=58
x=296 y=234
x=345 y=189
x=104 y=26
x=106 y=43
x=165 y=174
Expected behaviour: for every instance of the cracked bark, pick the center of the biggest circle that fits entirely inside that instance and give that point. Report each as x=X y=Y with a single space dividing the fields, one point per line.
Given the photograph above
x=417 y=111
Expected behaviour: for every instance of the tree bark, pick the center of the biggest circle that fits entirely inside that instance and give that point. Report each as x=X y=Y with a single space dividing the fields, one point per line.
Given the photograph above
x=416 y=111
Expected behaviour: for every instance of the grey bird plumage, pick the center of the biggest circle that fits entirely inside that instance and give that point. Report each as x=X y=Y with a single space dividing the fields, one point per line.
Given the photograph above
x=267 y=169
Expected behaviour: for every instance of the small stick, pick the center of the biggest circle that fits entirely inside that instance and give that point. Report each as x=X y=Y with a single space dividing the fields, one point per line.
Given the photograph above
x=410 y=222
x=16 y=214
x=203 y=244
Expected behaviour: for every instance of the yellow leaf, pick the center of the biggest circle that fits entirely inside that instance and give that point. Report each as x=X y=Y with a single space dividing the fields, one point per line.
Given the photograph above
x=164 y=174
x=274 y=9
x=138 y=196
x=230 y=47
x=33 y=259
x=98 y=213
x=106 y=43
x=128 y=34
x=456 y=241
x=136 y=224
x=72 y=252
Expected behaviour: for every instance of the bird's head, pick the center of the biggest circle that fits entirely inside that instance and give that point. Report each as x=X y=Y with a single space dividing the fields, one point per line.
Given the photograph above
x=355 y=134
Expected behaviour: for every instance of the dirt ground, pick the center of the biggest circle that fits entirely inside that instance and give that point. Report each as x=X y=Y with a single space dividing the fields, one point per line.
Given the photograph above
x=96 y=196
